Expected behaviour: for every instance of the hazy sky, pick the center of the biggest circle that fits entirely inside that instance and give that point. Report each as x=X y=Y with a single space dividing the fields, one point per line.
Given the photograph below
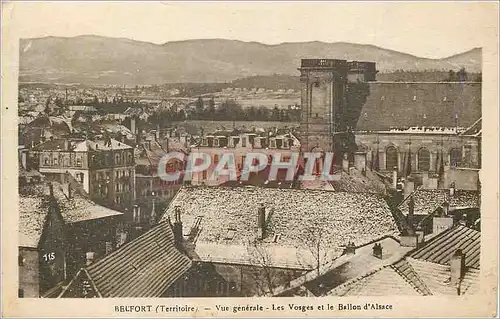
x=431 y=30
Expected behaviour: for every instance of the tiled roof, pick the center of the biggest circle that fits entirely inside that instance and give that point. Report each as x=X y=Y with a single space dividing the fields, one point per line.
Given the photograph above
x=406 y=271
x=436 y=278
x=269 y=255
x=54 y=144
x=356 y=182
x=475 y=129
x=404 y=105
x=427 y=200
x=89 y=145
x=339 y=273
x=425 y=271
x=32 y=215
x=145 y=267
x=291 y=215
x=440 y=249
x=384 y=282
x=34 y=205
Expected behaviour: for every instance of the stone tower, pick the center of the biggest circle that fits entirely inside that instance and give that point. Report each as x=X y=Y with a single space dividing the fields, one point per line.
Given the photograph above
x=324 y=84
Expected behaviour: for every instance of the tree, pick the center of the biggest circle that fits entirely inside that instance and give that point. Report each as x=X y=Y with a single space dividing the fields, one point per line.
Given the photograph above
x=275 y=114
x=210 y=111
x=315 y=238
x=199 y=105
x=262 y=275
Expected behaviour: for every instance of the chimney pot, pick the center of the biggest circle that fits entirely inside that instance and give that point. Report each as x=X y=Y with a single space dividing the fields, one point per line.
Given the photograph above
x=89 y=257
x=261 y=221
x=395 y=177
x=452 y=189
x=377 y=250
x=457 y=267
x=51 y=190
x=411 y=212
x=350 y=248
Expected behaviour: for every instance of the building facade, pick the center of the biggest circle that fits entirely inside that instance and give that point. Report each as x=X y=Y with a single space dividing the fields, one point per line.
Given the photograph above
x=104 y=168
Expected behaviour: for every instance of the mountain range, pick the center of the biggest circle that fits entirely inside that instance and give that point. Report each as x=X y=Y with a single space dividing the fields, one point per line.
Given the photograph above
x=93 y=59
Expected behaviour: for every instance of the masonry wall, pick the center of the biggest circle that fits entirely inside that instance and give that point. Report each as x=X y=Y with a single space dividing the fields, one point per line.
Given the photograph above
x=28 y=273
x=414 y=142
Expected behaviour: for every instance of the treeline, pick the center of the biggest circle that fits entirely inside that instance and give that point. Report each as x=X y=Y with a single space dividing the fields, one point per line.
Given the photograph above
x=228 y=110
x=269 y=82
x=429 y=76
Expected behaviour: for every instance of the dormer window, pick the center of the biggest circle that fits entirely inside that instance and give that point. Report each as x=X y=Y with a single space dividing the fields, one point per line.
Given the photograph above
x=204 y=142
x=216 y=142
x=230 y=234
x=285 y=143
x=273 y=143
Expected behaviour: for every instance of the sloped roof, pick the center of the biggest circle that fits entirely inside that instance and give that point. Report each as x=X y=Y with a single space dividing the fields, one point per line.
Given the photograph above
x=50 y=145
x=339 y=273
x=33 y=212
x=341 y=216
x=417 y=104
x=111 y=144
x=33 y=209
x=427 y=200
x=384 y=282
x=436 y=278
x=440 y=249
x=145 y=267
x=356 y=182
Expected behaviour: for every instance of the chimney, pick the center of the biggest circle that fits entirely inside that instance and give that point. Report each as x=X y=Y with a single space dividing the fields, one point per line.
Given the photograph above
x=152 y=220
x=446 y=209
x=350 y=249
x=23 y=159
x=89 y=257
x=360 y=161
x=69 y=190
x=51 y=190
x=395 y=177
x=261 y=221
x=452 y=189
x=134 y=214
x=377 y=250
x=420 y=235
x=457 y=268
x=132 y=125
x=409 y=187
x=177 y=227
x=442 y=223
x=345 y=163
x=411 y=212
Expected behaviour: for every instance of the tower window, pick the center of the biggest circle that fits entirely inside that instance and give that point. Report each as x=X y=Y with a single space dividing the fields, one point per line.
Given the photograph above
x=424 y=159
x=391 y=157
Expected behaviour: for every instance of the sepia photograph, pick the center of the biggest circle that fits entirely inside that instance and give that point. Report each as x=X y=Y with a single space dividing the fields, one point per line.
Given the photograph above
x=217 y=157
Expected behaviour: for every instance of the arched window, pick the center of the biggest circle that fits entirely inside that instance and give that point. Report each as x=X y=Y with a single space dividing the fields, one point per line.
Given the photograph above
x=424 y=160
x=391 y=157
x=455 y=157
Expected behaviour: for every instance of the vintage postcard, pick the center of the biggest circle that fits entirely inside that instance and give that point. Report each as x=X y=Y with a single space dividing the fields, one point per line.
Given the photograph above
x=249 y=159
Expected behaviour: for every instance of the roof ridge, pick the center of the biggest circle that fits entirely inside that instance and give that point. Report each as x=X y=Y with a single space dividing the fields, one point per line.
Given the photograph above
x=408 y=280
x=93 y=283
